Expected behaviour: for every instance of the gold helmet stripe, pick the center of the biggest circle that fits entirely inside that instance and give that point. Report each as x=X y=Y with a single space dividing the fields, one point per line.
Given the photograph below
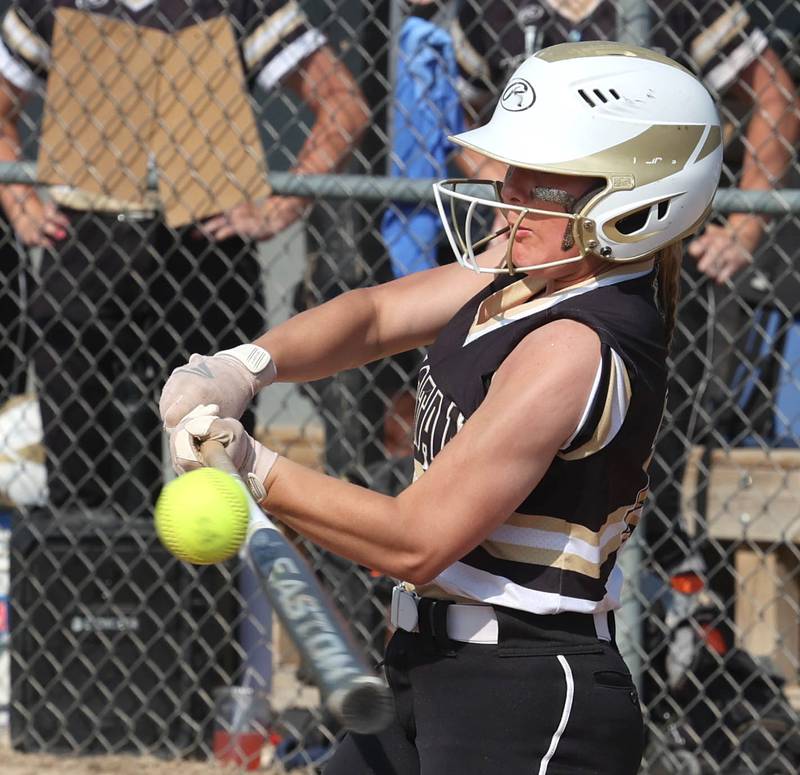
x=711 y=144
x=563 y=52
x=676 y=143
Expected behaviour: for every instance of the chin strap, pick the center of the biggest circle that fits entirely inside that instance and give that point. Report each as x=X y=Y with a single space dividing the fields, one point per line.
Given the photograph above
x=577 y=205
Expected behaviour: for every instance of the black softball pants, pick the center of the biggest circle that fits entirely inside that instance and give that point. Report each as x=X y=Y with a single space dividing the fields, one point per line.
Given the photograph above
x=526 y=706
x=119 y=304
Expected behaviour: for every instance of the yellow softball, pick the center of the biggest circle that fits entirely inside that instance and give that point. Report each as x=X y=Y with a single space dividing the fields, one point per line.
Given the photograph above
x=201 y=517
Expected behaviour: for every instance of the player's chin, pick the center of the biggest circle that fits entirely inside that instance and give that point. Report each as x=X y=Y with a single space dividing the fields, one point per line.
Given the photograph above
x=526 y=261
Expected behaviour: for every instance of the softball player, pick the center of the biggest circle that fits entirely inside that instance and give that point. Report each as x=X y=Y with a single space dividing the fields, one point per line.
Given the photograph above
x=537 y=408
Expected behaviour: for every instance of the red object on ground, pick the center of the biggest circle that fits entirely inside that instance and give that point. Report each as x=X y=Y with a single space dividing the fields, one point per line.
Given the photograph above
x=687 y=583
x=242 y=749
x=715 y=639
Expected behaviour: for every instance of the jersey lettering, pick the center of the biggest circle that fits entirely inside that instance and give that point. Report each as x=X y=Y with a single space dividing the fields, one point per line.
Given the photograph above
x=437 y=418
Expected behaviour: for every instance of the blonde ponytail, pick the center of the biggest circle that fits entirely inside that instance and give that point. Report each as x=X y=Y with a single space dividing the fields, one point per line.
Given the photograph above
x=669 y=284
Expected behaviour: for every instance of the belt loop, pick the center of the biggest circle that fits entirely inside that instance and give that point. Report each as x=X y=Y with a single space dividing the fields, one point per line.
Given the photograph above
x=601 y=626
x=433 y=625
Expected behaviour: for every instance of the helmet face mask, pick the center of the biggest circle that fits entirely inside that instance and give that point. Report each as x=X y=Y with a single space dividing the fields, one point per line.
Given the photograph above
x=627 y=116
x=460 y=233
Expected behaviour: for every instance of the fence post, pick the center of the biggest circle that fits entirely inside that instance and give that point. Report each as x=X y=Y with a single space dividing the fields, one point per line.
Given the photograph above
x=633 y=26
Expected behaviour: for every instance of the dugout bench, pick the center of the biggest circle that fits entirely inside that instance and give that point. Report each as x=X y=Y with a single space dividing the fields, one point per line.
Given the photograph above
x=753 y=506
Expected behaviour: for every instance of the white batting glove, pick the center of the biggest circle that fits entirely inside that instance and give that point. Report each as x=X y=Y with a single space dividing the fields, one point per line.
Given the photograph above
x=252 y=459
x=230 y=379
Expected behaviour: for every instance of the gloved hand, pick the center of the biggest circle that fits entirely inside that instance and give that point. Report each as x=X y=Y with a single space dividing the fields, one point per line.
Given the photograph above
x=230 y=379
x=252 y=459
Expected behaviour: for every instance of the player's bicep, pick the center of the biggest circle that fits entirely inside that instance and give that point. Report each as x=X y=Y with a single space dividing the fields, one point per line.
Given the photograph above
x=536 y=401
x=411 y=310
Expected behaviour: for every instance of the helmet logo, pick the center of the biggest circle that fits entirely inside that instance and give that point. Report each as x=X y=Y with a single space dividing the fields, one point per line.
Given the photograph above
x=518 y=95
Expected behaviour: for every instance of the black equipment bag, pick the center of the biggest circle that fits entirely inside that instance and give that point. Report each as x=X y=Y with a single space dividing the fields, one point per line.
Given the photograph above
x=115 y=645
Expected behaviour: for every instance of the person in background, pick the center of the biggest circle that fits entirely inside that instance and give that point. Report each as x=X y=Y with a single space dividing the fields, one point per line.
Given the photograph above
x=116 y=284
x=14 y=287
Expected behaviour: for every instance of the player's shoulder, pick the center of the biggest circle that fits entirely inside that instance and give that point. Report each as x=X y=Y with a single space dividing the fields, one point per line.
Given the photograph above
x=629 y=302
x=568 y=349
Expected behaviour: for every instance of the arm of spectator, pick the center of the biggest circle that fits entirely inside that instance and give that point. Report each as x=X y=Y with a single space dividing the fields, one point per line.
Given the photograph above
x=340 y=112
x=771 y=136
x=35 y=223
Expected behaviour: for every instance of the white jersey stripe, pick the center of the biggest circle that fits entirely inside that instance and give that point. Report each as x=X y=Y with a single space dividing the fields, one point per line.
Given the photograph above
x=289 y=58
x=26 y=42
x=546 y=539
x=474 y=584
x=620 y=399
x=616 y=401
x=270 y=33
x=727 y=71
x=17 y=72
x=565 y=713
x=588 y=407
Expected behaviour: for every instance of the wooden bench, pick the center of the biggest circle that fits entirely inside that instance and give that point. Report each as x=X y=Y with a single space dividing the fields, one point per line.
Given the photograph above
x=753 y=500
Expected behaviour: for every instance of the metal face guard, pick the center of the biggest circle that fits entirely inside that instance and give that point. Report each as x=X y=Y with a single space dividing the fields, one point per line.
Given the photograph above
x=461 y=241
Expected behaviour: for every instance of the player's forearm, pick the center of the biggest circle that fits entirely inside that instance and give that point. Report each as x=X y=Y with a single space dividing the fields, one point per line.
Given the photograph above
x=339 y=122
x=354 y=522
x=369 y=323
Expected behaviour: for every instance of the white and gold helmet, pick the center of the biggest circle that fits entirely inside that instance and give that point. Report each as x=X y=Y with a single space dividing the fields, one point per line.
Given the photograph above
x=634 y=119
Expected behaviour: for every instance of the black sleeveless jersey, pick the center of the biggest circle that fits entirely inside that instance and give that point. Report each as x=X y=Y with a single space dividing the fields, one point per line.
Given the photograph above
x=558 y=550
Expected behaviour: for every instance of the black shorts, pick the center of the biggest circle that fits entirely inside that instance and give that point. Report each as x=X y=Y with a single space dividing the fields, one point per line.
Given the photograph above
x=526 y=706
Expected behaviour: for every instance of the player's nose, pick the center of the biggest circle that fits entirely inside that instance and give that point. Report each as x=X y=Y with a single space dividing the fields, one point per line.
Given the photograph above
x=516 y=186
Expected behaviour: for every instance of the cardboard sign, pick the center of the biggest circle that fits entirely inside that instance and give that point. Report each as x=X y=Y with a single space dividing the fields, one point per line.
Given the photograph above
x=119 y=95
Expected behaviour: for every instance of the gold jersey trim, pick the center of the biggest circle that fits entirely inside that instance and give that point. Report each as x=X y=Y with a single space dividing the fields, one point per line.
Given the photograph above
x=730 y=24
x=520 y=300
x=542 y=535
x=270 y=33
x=615 y=408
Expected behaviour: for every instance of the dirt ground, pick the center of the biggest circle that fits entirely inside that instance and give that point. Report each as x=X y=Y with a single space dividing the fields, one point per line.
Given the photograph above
x=36 y=764
x=14 y=763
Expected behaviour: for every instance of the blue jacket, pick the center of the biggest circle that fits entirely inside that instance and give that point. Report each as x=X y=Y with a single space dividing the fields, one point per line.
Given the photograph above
x=426 y=110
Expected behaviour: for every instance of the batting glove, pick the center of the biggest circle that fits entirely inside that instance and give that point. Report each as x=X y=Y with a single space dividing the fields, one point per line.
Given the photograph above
x=230 y=379
x=252 y=459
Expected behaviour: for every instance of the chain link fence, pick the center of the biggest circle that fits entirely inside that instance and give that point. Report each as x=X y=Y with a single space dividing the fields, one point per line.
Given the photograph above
x=140 y=122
